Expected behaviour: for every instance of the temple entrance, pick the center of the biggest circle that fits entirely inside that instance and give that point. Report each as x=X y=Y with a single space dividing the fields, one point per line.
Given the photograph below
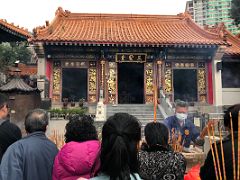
x=130 y=83
x=74 y=84
x=185 y=84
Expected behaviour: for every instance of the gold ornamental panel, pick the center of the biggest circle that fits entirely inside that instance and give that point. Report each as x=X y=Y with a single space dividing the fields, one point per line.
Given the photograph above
x=149 y=81
x=56 y=81
x=92 y=99
x=203 y=98
x=201 y=81
x=111 y=82
x=112 y=98
x=149 y=99
x=55 y=97
x=92 y=80
x=168 y=81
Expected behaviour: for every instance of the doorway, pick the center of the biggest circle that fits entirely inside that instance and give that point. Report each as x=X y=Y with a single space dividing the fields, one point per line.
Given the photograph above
x=74 y=84
x=185 y=84
x=130 y=83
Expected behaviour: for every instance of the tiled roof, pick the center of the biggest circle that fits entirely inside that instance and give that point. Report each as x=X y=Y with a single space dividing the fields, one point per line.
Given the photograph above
x=79 y=28
x=233 y=41
x=14 y=29
x=24 y=69
x=18 y=85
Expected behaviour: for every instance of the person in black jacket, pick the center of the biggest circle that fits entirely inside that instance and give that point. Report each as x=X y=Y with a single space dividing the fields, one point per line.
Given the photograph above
x=157 y=160
x=207 y=170
x=9 y=132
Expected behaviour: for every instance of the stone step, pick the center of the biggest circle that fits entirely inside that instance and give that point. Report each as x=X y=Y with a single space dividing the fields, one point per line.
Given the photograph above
x=124 y=105
x=141 y=115
x=129 y=107
x=143 y=112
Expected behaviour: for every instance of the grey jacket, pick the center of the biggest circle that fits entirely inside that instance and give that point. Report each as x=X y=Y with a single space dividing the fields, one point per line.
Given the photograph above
x=30 y=158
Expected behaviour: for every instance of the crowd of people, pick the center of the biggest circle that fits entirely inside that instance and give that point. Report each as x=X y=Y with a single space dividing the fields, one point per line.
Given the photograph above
x=121 y=155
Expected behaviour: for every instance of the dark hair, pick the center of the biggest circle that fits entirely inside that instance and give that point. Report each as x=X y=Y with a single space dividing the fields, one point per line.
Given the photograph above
x=234 y=112
x=80 y=129
x=3 y=100
x=156 y=134
x=36 y=120
x=120 y=136
x=180 y=103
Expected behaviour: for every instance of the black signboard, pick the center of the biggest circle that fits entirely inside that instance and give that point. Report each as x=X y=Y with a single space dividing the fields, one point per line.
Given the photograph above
x=131 y=57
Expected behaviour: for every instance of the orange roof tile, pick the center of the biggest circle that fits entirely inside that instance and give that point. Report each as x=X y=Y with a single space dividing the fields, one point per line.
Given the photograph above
x=124 y=29
x=233 y=41
x=20 y=31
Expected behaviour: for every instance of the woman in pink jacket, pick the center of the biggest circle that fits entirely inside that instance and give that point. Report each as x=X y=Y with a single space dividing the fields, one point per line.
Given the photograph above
x=79 y=157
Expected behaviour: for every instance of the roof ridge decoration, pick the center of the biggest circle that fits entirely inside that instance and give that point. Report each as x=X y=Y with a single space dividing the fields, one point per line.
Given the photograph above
x=194 y=25
x=233 y=41
x=88 y=28
x=60 y=12
x=15 y=28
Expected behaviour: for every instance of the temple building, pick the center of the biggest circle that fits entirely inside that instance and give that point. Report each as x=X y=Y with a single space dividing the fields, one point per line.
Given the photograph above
x=11 y=33
x=125 y=56
x=230 y=65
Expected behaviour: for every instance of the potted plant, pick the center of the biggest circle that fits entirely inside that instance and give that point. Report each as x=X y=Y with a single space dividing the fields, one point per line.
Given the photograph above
x=65 y=103
x=81 y=102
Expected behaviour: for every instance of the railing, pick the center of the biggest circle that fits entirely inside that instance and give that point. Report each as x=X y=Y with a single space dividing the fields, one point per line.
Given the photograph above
x=165 y=106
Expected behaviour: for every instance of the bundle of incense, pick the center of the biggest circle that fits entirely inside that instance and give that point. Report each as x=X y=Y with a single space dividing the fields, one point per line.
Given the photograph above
x=213 y=155
x=179 y=139
x=233 y=148
x=155 y=103
x=173 y=139
x=222 y=153
x=216 y=150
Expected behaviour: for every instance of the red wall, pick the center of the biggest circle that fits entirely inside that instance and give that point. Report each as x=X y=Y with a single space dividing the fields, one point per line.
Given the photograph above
x=49 y=76
x=210 y=83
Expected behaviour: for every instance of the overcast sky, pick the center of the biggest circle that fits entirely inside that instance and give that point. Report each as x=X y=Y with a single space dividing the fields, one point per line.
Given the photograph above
x=33 y=13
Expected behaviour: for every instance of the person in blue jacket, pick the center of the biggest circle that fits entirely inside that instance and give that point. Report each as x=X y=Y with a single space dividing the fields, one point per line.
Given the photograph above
x=181 y=124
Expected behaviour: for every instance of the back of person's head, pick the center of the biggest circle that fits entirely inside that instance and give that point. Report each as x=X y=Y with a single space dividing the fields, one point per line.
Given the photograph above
x=234 y=112
x=156 y=134
x=120 y=137
x=3 y=106
x=80 y=129
x=36 y=120
x=3 y=100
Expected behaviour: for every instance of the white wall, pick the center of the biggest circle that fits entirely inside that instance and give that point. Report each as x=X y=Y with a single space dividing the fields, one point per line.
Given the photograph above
x=230 y=96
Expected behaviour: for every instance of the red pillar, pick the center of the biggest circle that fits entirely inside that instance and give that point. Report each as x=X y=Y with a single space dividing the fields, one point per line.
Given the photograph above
x=210 y=83
x=49 y=76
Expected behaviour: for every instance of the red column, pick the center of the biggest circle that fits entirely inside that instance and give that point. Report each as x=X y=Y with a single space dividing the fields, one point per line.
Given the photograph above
x=49 y=76
x=210 y=83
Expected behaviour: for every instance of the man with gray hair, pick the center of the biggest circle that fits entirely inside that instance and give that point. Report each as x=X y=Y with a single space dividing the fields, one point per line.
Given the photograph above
x=181 y=124
x=31 y=157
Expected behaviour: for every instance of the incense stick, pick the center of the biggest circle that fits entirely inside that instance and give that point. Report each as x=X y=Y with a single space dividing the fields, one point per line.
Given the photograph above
x=222 y=152
x=238 y=167
x=216 y=150
x=233 y=149
x=213 y=155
